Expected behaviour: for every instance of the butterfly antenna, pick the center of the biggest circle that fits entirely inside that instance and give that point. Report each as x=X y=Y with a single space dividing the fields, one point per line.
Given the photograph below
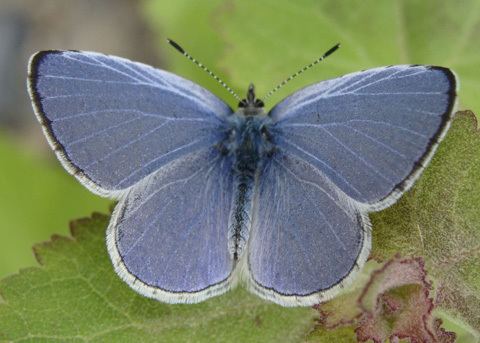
x=308 y=66
x=204 y=68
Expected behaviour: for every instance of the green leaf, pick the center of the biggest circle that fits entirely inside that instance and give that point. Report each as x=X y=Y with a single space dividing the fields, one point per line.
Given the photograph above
x=439 y=220
x=393 y=302
x=76 y=296
x=344 y=334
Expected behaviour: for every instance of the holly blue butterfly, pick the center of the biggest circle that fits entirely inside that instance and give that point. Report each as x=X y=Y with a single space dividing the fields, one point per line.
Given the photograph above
x=208 y=196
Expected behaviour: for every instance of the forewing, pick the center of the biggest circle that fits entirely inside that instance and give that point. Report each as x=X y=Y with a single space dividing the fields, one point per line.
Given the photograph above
x=307 y=238
x=168 y=237
x=370 y=132
x=112 y=121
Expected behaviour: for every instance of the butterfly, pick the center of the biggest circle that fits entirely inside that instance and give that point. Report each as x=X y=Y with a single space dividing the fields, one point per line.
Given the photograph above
x=208 y=196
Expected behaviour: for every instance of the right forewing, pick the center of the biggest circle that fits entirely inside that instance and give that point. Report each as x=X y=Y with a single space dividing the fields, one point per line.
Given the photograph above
x=112 y=121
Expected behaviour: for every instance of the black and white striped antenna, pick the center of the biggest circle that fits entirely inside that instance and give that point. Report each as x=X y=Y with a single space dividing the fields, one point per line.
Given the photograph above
x=308 y=66
x=203 y=67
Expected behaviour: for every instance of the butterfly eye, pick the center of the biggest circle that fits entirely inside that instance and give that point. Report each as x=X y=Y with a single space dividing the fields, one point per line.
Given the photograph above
x=259 y=103
x=242 y=103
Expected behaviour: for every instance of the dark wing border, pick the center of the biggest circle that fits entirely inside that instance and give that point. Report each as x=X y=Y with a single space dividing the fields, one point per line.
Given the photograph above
x=419 y=165
x=57 y=147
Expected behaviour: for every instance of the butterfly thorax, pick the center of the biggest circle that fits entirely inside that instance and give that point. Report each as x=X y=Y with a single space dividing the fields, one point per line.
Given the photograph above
x=248 y=138
x=247 y=143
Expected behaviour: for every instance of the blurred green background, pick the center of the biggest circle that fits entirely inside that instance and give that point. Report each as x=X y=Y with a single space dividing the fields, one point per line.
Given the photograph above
x=262 y=41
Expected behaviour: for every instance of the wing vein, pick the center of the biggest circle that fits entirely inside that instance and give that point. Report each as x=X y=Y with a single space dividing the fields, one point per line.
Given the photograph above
x=287 y=141
x=158 y=158
x=145 y=114
x=125 y=146
x=388 y=77
x=379 y=122
x=136 y=72
x=299 y=179
x=99 y=64
x=184 y=180
x=373 y=139
x=358 y=157
x=304 y=182
x=147 y=229
x=96 y=133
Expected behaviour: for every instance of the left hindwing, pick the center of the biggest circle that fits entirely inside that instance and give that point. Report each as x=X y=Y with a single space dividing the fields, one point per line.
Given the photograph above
x=308 y=239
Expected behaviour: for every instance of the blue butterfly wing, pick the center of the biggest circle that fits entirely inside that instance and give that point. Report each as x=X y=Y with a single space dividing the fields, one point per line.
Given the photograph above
x=168 y=237
x=112 y=121
x=307 y=239
x=370 y=132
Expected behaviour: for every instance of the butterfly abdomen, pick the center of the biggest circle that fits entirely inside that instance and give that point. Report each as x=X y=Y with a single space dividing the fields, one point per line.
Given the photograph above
x=248 y=146
x=240 y=218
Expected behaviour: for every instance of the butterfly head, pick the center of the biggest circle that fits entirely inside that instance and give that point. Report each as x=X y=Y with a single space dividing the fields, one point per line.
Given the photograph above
x=251 y=105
